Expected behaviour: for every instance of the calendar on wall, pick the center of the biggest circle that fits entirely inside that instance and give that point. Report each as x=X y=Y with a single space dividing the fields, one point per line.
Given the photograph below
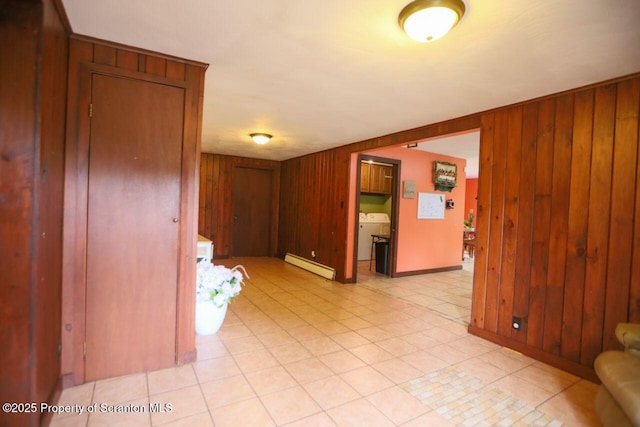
x=430 y=206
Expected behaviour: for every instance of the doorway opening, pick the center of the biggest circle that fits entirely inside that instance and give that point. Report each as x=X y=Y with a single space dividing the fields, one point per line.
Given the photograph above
x=377 y=213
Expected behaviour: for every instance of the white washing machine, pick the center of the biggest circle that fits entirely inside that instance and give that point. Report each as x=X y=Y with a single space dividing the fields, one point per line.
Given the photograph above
x=371 y=223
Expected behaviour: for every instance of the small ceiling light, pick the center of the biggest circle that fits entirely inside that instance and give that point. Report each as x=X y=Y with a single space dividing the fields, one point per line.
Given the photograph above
x=260 y=138
x=428 y=20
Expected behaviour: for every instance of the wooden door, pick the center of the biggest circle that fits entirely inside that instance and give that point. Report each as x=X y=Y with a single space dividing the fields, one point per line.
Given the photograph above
x=135 y=153
x=251 y=211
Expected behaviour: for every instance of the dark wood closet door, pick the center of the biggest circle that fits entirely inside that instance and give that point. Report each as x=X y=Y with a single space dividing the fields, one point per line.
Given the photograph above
x=135 y=154
x=251 y=211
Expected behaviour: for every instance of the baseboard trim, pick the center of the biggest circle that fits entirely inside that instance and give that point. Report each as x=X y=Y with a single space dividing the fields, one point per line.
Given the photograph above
x=427 y=271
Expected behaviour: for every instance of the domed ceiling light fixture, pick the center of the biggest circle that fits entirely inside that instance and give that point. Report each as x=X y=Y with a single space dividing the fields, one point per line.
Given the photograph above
x=260 y=138
x=428 y=20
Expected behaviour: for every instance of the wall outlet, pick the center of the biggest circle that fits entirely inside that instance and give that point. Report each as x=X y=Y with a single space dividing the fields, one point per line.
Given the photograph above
x=516 y=323
x=313 y=254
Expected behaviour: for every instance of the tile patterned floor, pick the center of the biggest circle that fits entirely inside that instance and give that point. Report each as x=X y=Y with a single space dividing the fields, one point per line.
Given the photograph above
x=297 y=350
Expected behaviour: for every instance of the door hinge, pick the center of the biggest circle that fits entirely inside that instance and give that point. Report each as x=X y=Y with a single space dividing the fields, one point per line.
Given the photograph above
x=84 y=349
x=90 y=110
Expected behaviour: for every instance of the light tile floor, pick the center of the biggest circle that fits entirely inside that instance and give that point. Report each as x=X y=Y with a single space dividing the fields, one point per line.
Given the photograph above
x=298 y=350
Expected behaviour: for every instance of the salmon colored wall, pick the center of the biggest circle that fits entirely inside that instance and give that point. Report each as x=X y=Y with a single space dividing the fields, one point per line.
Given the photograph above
x=470 y=202
x=425 y=244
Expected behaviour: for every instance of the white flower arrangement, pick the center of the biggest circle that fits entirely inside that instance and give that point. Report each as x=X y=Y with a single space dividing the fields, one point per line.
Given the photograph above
x=218 y=283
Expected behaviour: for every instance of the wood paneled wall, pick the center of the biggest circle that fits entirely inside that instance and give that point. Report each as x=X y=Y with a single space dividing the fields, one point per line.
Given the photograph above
x=215 y=220
x=559 y=234
x=33 y=85
x=314 y=199
x=86 y=56
x=558 y=208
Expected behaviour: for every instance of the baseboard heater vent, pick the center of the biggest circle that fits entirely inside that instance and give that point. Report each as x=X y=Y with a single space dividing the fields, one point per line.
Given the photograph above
x=312 y=266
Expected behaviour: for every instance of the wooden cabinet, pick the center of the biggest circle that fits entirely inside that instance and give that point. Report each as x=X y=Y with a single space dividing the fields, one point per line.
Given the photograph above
x=375 y=178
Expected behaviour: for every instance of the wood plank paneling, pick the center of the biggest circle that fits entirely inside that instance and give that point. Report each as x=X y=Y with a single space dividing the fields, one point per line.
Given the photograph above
x=577 y=225
x=598 y=223
x=34 y=51
x=510 y=222
x=625 y=154
x=526 y=180
x=561 y=174
x=541 y=224
x=576 y=245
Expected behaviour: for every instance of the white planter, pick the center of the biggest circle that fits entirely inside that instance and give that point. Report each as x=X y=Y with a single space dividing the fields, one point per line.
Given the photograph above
x=209 y=318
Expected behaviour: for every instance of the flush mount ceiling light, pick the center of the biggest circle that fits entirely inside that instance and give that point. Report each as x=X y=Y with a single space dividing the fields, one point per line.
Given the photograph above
x=260 y=138
x=428 y=20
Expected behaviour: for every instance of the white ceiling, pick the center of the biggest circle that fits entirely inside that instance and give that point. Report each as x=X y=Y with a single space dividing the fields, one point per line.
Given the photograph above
x=320 y=74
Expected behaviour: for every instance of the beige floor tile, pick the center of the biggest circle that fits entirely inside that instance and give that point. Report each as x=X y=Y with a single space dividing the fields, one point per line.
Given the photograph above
x=270 y=380
x=286 y=354
x=211 y=349
x=198 y=420
x=215 y=369
x=78 y=395
x=350 y=339
x=481 y=369
x=371 y=353
x=424 y=361
x=228 y=331
x=550 y=379
x=308 y=370
x=294 y=343
x=243 y=344
x=429 y=419
x=341 y=361
x=290 y=405
x=397 y=370
x=178 y=404
x=366 y=380
x=398 y=405
x=171 y=379
x=331 y=391
x=275 y=339
x=305 y=333
x=123 y=414
x=574 y=406
x=246 y=413
x=507 y=359
x=357 y=414
x=355 y=323
x=317 y=420
x=320 y=346
x=226 y=391
x=523 y=390
x=255 y=360
x=70 y=420
x=121 y=389
x=397 y=346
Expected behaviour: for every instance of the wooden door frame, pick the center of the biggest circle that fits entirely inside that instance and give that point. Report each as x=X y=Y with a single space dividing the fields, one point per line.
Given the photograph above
x=76 y=209
x=395 y=212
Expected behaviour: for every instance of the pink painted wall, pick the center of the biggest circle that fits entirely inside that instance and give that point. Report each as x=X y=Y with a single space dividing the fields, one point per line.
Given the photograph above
x=470 y=202
x=427 y=243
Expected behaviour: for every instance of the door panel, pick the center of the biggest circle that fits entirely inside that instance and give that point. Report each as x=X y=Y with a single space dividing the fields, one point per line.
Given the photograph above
x=251 y=211
x=135 y=155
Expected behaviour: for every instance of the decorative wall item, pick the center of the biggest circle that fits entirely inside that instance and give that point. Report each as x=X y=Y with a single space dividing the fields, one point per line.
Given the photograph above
x=444 y=175
x=409 y=190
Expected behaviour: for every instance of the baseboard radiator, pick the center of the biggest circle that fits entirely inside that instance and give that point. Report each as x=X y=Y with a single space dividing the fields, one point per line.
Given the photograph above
x=312 y=266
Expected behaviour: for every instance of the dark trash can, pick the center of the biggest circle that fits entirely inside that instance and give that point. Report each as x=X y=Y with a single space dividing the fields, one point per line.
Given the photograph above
x=382 y=257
